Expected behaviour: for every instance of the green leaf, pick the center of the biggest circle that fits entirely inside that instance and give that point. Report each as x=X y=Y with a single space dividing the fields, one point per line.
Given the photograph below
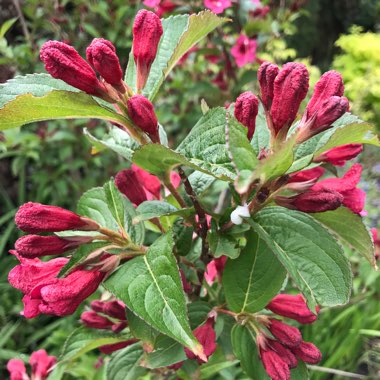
x=124 y=364
x=151 y=287
x=254 y=278
x=200 y=182
x=357 y=133
x=115 y=202
x=140 y=329
x=80 y=255
x=205 y=145
x=216 y=363
x=27 y=108
x=245 y=349
x=198 y=311
x=117 y=140
x=300 y=372
x=83 y=340
x=166 y=352
x=223 y=244
x=155 y=209
x=6 y=25
x=261 y=137
x=309 y=253
x=180 y=34
x=349 y=227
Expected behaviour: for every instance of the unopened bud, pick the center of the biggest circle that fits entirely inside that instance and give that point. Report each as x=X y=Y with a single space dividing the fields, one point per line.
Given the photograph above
x=115 y=309
x=312 y=201
x=63 y=62
x=306 y=175
x=339 y=155
x=285 y=354
x=147 y=32
x=97 y=306
x=95 y=321
x=266 y=75
x=292 y=306
x=290 y=88
x=117 y=327
x=108 y=349
x=128 y=184
x=331 y=110
x=246 y=109
x=36 y=246
x=141 y=112
x=274 y=365
x=330 y=84
x=308 y=353
x=288 y=335
x=36 y=217
x=102 y=55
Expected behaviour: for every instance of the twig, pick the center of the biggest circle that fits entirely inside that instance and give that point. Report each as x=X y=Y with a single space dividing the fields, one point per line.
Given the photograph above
x=336 y=372
x=24 y=27
x=175 y=193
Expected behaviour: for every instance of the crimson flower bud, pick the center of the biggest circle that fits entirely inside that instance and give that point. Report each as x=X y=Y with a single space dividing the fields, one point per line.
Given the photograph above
x=331 y=110
x=97 y=306
x=308 y=353
x=95 y=321
x=292 y=306
x=307 y=175
x=312 y=201
x=102 y=55
x=141 y=112
x=109 y=348
x=117 y=327
x=128 y=184
x=36 y=246
x=286 y=355
x=206 y=337
x=115 y=309
x=246 y=109
x=147 y=31
x=63 y=62
x=36 y=217
x=266 y=75
x=274 y=365
x=330 y=84
x=290 y=88
x=288 y=335
x=339 y=155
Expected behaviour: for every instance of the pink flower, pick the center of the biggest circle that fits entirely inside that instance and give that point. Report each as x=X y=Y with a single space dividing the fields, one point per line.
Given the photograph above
x=215 y=269
x=339 y=155
x=217 y=6
x=17 y=370
x=376 y=242
x=353 y=198
x=307 y=175
x=41 y=363
x=244 y=50
x=165 y=7
x=151 y=3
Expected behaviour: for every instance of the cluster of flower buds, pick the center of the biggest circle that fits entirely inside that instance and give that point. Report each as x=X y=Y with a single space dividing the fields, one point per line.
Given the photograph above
x=63 y=62
x=325 y=195
x=140 y=186
x=281 y=349
x=41 y=364
x=43 y=291
x=108 y=315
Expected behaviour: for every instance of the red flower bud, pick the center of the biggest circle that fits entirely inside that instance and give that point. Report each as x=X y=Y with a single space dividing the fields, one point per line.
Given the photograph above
x=128 y=184
x=102 y=55
x=293 y=307
x=266 y=75
x=312 y=201
x=147 y=31
x=330 y=84
x=97 y=306
x=109 y=348
x=307 y=175
x=120 y=326
x=141 y=112
x=115 y=309
x=36 y=246
x=36 y=217
x=206 y=337
x=286 y=355
x=290 y=88
x=63 y=62
x=308 y=353
x=288 y=335
x=246 y=109
x=274 y=365
x=95 y=321
x=331 y=110
x=339 y=155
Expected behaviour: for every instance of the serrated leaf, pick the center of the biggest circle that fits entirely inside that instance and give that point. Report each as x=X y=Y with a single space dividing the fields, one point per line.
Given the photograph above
x=245 y=349
x=151 y=287
x=362 y=133
x=309 y=253
x=141 y=330
x=200 y=182
x=222 y=244
x=254 y=278
x=261 y=137
x=206 y=147
x=124 y=364
x=198 y=311
x=27 y=108
x=155 y=209
x=83 y=340
x=117 y=140
x=180 y=33
x=350 y=228
x=115 y=202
